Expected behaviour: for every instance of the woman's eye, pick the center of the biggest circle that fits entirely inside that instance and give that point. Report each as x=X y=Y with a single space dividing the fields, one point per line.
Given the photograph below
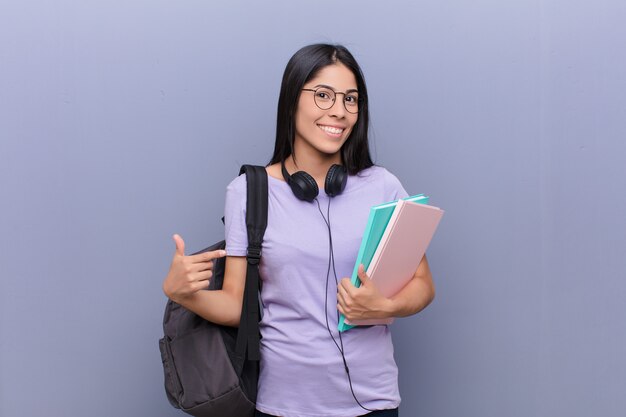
x=352 y=99
x=323 y=95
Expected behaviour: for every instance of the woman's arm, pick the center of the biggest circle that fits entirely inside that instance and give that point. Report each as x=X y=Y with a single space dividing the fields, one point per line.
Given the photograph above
x=189 y=276
x=366 y=302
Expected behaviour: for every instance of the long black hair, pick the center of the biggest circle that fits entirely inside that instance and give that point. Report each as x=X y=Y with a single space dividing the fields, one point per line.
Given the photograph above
x=303 y=66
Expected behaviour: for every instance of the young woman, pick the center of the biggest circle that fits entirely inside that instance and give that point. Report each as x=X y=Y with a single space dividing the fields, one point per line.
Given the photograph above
x=309 y=250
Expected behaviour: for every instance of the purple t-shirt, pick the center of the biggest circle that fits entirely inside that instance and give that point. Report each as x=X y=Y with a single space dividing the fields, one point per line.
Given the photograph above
x=302 y=374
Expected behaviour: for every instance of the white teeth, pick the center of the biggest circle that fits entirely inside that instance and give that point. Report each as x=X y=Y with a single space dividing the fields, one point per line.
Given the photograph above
x=333 y=130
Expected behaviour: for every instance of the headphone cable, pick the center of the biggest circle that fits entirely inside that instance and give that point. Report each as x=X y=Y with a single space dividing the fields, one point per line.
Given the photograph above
x=331 y=258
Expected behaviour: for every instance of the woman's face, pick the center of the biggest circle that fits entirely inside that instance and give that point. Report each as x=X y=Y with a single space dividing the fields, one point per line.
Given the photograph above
x=325 y=131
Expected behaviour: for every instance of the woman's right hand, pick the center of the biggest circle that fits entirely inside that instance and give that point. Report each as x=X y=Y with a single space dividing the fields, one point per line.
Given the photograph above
x=188 y=274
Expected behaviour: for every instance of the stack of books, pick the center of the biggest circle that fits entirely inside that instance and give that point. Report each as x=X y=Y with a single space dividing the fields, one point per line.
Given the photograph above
x=394 y=242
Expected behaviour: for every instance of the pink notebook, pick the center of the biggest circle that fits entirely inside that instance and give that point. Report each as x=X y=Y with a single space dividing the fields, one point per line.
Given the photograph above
x=401 y=249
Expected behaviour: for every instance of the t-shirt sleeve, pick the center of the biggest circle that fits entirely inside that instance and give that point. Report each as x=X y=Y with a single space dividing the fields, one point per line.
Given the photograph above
x=235 y=218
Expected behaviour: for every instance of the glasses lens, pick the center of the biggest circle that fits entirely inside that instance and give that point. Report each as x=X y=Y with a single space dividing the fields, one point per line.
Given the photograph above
x=324 y=98
x=351 y=101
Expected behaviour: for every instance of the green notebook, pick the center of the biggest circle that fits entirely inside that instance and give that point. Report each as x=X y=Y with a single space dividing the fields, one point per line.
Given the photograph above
x=374 y=230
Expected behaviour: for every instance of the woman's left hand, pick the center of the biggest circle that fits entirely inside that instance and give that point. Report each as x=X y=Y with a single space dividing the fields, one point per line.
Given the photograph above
x=364 y=302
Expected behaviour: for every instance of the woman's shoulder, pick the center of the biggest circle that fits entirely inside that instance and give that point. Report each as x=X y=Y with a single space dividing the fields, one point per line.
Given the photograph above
x=378 y=178
x=376 y=173
x=237 y=185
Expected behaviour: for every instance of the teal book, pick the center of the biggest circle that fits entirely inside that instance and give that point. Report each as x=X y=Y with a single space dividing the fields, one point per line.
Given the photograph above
x=374 y=230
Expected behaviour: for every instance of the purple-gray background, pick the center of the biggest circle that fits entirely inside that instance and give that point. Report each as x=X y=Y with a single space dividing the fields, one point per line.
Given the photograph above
x=122 y=122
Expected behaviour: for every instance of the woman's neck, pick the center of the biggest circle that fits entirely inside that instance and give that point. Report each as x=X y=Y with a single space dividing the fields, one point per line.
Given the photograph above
x=316 y=167
x=312 y=161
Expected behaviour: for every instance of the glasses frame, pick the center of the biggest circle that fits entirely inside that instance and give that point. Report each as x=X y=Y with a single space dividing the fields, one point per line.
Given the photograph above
x=315 y=90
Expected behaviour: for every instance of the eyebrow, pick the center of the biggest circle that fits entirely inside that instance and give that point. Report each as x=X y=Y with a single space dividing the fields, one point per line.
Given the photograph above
x=352 y=90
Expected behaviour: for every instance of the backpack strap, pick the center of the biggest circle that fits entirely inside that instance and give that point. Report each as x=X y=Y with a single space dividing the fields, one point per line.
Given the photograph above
x=248 y=336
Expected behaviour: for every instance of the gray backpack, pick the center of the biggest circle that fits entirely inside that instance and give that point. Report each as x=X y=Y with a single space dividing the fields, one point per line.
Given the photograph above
x=212 y=370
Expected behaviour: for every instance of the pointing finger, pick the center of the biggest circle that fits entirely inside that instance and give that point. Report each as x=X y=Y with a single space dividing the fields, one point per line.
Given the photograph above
x=208 y=256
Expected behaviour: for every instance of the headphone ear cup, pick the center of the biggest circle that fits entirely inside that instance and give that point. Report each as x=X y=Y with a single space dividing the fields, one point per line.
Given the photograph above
x=336 y=180
x=304 y=186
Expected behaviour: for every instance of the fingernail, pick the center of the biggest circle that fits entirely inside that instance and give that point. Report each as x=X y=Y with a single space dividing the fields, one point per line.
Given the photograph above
x=222 y=253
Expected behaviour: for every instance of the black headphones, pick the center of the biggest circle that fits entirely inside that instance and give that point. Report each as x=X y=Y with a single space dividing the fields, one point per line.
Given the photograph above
x=305 y=188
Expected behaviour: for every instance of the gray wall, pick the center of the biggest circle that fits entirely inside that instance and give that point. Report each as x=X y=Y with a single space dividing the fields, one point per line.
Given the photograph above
x=122 y=122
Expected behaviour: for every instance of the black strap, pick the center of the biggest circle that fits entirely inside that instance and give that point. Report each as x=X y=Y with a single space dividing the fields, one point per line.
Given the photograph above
x=248 y=336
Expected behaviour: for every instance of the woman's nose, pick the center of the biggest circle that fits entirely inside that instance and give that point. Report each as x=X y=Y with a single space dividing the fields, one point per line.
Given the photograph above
x=338 y=109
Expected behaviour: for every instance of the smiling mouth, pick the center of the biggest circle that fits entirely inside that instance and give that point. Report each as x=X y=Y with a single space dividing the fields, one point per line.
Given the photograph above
x=332 y=131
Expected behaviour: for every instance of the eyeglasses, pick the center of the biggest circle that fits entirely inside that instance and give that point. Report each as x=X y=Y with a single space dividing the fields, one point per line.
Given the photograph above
x=325 y=98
